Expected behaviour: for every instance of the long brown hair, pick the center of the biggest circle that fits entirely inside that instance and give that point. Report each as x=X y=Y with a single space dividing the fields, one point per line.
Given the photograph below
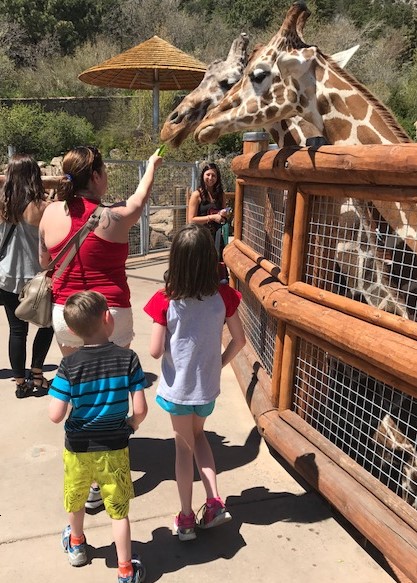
x=23 y=184
x=192 y=270
x=218 y=191
x=78 y=166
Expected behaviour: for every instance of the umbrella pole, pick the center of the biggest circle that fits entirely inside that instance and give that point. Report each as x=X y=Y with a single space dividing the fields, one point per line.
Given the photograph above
x=155 y=99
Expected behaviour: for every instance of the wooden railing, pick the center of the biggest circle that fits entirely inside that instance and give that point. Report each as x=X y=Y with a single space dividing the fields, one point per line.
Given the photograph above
x=323 y=331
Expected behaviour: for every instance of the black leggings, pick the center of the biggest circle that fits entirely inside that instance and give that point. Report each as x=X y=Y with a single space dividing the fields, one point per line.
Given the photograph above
x=18 y=337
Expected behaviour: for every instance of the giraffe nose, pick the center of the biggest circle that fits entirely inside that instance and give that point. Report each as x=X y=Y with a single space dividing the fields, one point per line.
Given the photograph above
x=174 y=117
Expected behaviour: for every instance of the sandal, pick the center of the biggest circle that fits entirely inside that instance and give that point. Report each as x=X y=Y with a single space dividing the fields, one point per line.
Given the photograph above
x=22 y=390
x=38 y=381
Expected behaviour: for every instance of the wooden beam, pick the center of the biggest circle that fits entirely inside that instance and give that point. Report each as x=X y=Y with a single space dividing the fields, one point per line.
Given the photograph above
x=287 y=239
x=375 y=164
x=386 y=350
x=356 y=309
x=299 y=237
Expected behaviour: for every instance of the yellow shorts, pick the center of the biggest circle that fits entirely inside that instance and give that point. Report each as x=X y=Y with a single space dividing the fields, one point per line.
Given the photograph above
x=110 y=469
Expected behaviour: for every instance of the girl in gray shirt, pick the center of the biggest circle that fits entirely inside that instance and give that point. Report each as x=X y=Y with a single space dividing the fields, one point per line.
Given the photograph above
x=188 y=319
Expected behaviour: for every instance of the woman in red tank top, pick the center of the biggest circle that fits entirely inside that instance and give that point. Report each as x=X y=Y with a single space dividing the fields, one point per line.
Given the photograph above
x=99 y=264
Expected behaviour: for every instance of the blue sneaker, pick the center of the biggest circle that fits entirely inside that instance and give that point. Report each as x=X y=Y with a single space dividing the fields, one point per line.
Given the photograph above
x=139 y=572
x=77 y=555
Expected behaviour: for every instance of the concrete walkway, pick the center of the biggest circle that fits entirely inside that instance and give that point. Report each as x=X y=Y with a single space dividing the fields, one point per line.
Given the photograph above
x=281 y=530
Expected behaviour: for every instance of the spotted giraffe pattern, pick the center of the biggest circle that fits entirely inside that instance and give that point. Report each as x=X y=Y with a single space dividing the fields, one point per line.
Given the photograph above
x=288 y=79
x=219 y=78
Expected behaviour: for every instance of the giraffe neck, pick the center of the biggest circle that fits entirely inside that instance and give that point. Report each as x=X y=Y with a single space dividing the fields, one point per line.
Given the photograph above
x=346 y=112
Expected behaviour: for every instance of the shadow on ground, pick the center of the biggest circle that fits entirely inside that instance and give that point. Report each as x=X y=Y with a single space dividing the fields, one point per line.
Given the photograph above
x=156 y=457
x=164 y=553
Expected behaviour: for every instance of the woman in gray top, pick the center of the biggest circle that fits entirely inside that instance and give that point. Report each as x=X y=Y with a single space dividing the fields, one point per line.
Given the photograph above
x=22 y=203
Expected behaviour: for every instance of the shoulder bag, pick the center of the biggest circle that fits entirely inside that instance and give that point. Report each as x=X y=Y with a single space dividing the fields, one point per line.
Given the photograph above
x=36 y=296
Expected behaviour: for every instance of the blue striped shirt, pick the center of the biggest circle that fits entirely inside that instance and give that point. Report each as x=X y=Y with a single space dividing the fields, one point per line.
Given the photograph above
x=97 y=382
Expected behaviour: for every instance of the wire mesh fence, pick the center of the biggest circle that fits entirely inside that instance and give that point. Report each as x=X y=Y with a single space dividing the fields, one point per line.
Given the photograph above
x=263 y=221
x=165 y=213
x=260 y=328
x=353 y=251
x=373 y=423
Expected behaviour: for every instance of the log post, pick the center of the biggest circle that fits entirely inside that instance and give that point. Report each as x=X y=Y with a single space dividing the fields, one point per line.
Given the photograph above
x=287 y=371
x=299 y=237
x=254 y=142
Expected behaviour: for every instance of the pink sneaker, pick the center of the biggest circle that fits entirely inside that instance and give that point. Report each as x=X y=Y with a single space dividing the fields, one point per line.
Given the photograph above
x=184 y=526
x=214 y=513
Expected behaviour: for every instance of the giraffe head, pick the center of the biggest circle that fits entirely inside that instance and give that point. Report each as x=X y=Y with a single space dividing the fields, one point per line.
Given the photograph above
x=274 y=86
x=289 y=78
x=219 y=78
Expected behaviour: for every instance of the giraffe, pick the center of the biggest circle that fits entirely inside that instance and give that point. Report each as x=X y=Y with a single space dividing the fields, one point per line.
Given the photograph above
x=222 y=76
x=289 y=78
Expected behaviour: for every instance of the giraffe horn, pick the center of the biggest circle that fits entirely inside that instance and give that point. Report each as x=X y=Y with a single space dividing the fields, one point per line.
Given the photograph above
x=291 y=26
x=301 y=22
x=237 y=51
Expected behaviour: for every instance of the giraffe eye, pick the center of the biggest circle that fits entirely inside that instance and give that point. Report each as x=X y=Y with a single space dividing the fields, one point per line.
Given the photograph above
x=259 y=75
x=225 y=85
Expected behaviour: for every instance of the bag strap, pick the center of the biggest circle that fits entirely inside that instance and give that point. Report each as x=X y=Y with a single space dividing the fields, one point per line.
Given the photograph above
x=6 y=242
x=9 y=236
x=76 y=241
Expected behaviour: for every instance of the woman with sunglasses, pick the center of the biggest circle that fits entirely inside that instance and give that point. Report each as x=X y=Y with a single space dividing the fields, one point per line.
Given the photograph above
x=99 y=264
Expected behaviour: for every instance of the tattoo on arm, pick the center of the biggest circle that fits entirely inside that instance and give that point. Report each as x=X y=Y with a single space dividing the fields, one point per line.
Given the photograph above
x=107 y=217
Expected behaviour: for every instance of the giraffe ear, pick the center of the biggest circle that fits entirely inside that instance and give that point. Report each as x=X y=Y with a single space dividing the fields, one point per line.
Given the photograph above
x=343 y=57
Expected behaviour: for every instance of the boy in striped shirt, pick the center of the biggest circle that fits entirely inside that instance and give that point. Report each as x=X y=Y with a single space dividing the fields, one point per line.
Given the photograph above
x=97 y=381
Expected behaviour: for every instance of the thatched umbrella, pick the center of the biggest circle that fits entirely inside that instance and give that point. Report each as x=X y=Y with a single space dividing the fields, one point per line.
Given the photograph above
x=154 y=64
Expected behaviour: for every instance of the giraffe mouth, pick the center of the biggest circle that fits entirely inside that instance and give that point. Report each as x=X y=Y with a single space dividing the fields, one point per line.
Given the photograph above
x=174 y=136
x=207 y=134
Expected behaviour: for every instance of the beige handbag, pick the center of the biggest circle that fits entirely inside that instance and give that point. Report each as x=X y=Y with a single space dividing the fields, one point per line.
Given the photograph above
x=36 y=296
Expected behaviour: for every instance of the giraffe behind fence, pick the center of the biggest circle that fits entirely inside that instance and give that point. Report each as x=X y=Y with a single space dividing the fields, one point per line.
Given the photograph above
x=289 y=78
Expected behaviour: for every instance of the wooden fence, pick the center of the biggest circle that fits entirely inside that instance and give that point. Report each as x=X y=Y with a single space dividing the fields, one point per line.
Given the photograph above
x=324 y=253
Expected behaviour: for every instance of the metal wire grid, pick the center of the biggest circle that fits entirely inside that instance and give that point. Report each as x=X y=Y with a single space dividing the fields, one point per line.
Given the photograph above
x=353 y=251
x=167 y=210
x=123 y=178
x=260 y=328
x=375 y=424
x=263 y=221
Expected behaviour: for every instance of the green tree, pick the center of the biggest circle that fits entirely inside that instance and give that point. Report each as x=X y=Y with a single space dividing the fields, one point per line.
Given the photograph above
x=32 y=130
x=71 y=21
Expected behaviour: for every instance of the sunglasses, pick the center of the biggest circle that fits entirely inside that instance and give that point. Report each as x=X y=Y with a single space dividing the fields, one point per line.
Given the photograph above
x=92 y=149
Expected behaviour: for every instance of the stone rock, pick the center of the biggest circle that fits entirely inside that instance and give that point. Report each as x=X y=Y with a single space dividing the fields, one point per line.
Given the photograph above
x=162 y=228
x=161 y=216
x=157 y=240
x=57 y=161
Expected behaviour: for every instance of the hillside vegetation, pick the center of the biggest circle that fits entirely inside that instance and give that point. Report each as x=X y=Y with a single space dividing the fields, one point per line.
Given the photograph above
x=45 y=44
